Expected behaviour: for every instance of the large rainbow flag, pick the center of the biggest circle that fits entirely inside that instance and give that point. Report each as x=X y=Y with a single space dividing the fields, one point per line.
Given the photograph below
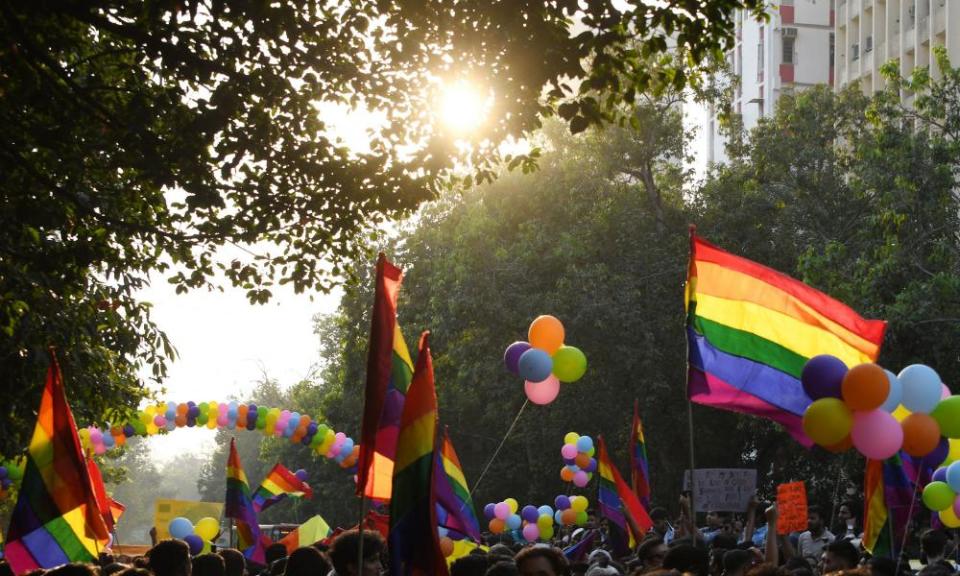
x=277 y=485
x=414 y=542
x=239 y=506
x=389 y=370
x=56 y=519
x=639 y=466
x=455 y=510
x=750 y=330
x=618 y=500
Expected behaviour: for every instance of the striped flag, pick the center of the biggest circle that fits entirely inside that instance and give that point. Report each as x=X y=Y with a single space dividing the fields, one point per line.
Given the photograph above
x=277 y=485
x=889 y=488
x=110 y=509
x=617 y=500
x=639 y=466
x=313 y=530
x=239 y=506
x=750 y=330
x=56 y=519
x=414 y=541
x=455 y=510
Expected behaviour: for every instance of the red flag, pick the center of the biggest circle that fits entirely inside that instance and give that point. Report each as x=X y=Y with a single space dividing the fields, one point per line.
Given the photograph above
x=379 y=362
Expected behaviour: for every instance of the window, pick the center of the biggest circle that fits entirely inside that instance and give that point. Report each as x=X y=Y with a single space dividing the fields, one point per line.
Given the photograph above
x=760 y=57
x=833 y=48
x=789 y=43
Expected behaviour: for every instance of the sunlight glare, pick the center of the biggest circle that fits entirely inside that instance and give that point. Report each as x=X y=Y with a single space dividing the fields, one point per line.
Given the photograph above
x=462 y=109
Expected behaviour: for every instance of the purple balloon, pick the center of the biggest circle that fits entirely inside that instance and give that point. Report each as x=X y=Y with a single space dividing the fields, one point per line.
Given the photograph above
x=195 y=543
x=3 y=472
x=5 y=483
x=301 y=474
x=592 y=466
x=940 y=474
x=561 y=502
x=822 y=376
x=529 y=513
x=511 y=357
x=489 y=511
x=939 y=453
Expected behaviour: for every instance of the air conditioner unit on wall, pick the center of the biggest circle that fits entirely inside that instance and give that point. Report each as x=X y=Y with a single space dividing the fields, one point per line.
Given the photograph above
x=790 y=32
x=868 y=44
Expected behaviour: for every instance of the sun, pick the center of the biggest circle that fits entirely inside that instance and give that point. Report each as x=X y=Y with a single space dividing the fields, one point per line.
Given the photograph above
x=462 y=107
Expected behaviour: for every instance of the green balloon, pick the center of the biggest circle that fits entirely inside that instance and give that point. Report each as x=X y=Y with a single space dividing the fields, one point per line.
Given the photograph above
x=947 y=415
x=569 y=364
x=938 y=496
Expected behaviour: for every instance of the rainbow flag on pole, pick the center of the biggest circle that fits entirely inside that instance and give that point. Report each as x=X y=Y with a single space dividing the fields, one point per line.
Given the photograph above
x=750 y=330
x=639 y=466
x=617 y=500
x=414 y=542
x=239 y=506
x=889 y=489
x=56 y=519
x=277 y=485
x=455 y=510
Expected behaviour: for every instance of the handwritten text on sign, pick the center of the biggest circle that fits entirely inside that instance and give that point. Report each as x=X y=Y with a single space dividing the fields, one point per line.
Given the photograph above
x=792 y=505
x=722 y=489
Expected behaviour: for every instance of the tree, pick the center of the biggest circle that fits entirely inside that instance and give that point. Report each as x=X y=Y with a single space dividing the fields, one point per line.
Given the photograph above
x=144 y=136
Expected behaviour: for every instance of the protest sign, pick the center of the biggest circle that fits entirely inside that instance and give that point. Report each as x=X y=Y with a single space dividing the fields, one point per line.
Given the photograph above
x=722 y=489
x=792 y=506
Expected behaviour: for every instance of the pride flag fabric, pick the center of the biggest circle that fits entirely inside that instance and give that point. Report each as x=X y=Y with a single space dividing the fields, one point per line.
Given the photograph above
x=277 y=485
x=110 y=509
x=414 y=542
x=56 y=519
x=389 y=370
x=313 y=530
x=617 y=499
x=639 y=466
x=239 y=506
x=455 y=511
x=750 y=330
x=889 y=490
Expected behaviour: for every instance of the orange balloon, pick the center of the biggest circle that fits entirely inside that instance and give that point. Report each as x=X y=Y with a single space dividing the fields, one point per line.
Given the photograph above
x=841 y=446
x=566 y=474
x=865 y=387
x=568 y=517
x=546 y=333
x=582 y=460
x=497 y=525
x=921 y=434
x=446 y=546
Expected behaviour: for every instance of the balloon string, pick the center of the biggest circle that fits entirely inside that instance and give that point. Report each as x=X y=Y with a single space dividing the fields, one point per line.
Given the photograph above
x=906 y=528
x=497 y=451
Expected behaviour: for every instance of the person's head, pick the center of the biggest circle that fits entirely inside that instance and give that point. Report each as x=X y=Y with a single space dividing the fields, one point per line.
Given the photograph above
x=880 y=566
x=169 y=558
x=278 y=566
x=687 y=558
x=470 y=565
x=112 y=568
x=75 y=569
x=307 y=561
x=798 y=566
x=599 y=557
x=660 y=519
x=715 y=519
x=542 y=561
x=724 y=540
x=597 y=570
x=275 y=552
x=815 y=519
x=233 y=560
x=651 y=553
x=135 y=571
x=501 y=551
x=840 y=555
x=933 y=543
x=343 y=553
x=208 y=565
x=737 y=562
x=502 y=568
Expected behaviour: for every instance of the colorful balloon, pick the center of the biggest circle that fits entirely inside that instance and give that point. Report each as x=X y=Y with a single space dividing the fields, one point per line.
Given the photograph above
x=865 y=387
x=822 y=376
x=546 y=333
x=921 y=434
x=921 y=388
x=535 y=365
x=876 y=434
x=938 y=495
x=896 y=392
x=569 y=364
x=827 y=421
x=511 y=356
x=543 y=392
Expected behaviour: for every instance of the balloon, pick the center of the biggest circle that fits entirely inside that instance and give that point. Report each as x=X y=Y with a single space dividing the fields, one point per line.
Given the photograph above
x=571 y=438
x=949 y=518
x=841 y=446
x=956 y=505
x=489 y=511
x=502 y=510
x=535 y=365
x=529 y=513
x=895 y=394
x=512 y=504
x=827 y=421
x=579 y=505
x=569 y=451
x=511 y=356
x=582 y=460
x=207 y=528
x=496 y=525
x=568 y=516
x=953 y=476
x=940 y=452
x=947 y=415
x=446 y=546
x=953 y=452
x=558 y=517
x=546 y=333
x=531 y=532
x=545 y=510
x=580 y=479
x=865 y=387
x=944 y=391
x=546 y=533
x=195 y=543
x=514 y=522
x=545 y=521
x=544 y=392
x=938 y=495
x=581 y=518
x=939 y=475
x=921 y=434
x=822 y=376
x=3 y=472
x=876 y=434
x=921 y=388
x=561 y=502
x=569 y=364
x=584 y=443
x=180 y=527
x=566 y=474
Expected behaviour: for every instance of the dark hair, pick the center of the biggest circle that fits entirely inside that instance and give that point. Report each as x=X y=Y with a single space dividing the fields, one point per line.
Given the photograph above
x=169 y=558
x=275 y=552
x=470 y=565
x=647 y=546
x=768 y=569
x=75 y=569
x=344 y=549
x=502 y=568
x=112 y=568
x=234 y=562
x=725 y=541
x=658 y=513
x=278 y=566
x=135 y=571
x=736 y=559
x=553 y=555
x=307 y=561
x=880 y=566
x=845 y=551
x=934 y=542
x=687 y=558
x=815 y=509
x=209 y=565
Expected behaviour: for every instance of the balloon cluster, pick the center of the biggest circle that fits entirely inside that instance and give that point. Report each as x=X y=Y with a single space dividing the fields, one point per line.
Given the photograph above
x=544 y=361
x=940 y=495
x=877 y=412
x=579 y=464
x=571 y=510
x=230 y=415
x=198 y=537
x=535 y=522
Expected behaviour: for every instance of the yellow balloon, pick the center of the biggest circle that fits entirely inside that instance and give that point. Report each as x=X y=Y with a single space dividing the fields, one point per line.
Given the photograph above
x=207 y=528
x=949 y=518
x=827 y=421
x=953 y=454
x=571 y=438
x=513 y=504
x=901 y=413
x=580 y=504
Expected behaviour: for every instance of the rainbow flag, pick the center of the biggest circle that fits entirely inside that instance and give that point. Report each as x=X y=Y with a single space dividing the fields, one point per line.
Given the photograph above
x=239 y=506
x=750 y=330
x=389 y=370
x=889 y=488
x=110 y=509
x=277 y=485
x=414 y=542
x=639 y=466
x=56 y=519
x=617 y=500
x=313 y=530
x=455 y=510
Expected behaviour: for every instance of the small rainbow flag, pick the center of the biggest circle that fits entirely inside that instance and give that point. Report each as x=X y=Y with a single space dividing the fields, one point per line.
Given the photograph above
x=56 y=519
x=277 y=485
x=889 y=490
x=239 y=506
x=639 y=466
x=750 y=330
x=617 y=501
x=311 y=531
x=455 y=510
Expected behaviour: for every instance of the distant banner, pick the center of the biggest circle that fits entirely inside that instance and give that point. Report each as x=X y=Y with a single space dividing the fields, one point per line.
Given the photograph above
x=166 y=510
x=792 y=506
x=722 y=489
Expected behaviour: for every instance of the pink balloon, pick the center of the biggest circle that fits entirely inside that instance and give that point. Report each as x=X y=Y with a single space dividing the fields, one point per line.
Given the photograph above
x=569 y=451
x=501 y=510
x=531 y=532
x=944 y=391
x=222 y=420
x=159 y=421
x=543 y=392
x=956 y=505
x=876 y=434
x=580 y=479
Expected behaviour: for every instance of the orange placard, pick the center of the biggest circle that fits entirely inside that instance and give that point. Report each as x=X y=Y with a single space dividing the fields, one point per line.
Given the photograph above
x=792 y=505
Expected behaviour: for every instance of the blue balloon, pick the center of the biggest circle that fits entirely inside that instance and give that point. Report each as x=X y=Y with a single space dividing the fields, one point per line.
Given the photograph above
x=180 y=528
x=545 y=510
x=195 y=543
x=940 y=474
x=514 y=522
x=489 y=511
x=3 y=472
x=921 y=388
x=953 y=476
x=535 y=365
x=584 y=444
x=108 y=441
x=896 y=393
x=558 y=518
x=561 y=502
